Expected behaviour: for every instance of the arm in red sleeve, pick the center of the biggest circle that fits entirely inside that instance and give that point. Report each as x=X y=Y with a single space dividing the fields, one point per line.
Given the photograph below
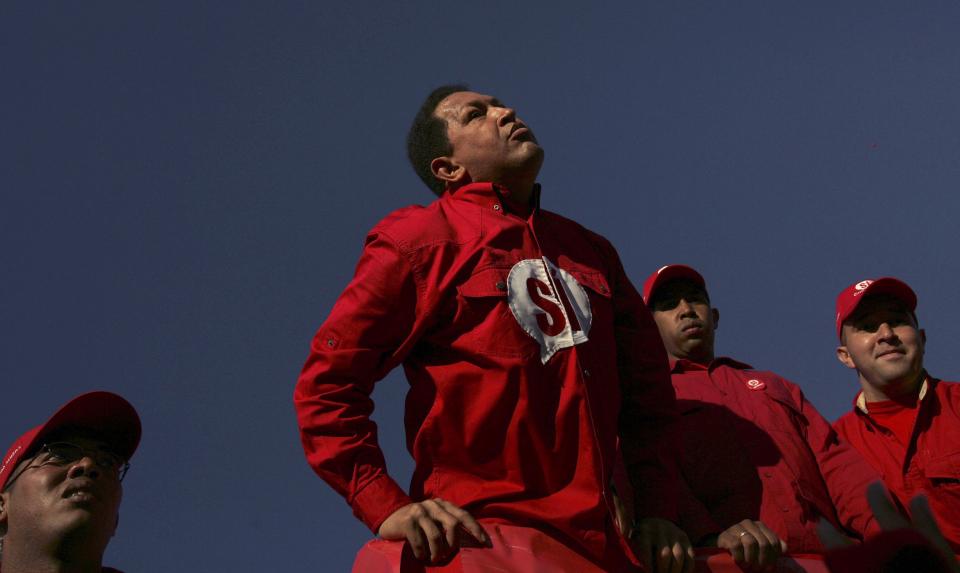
x=694 y=518
x=367 y=334
x=648 y=413
x=845 y=472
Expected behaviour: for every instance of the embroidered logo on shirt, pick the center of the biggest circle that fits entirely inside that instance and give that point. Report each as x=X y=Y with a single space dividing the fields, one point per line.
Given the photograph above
x=755 y=384
x=550 y=305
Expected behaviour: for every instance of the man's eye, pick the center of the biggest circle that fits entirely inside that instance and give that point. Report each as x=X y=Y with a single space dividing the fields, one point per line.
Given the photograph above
x=474 y=114
x=665 y=304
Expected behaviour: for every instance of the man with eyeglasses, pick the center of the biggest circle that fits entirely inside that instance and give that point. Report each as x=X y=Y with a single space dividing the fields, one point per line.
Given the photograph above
x=60 y=487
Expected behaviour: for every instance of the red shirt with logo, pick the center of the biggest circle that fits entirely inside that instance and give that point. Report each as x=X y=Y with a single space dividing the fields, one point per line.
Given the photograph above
x=928 y=463
x=755 y=448
x=527 y=351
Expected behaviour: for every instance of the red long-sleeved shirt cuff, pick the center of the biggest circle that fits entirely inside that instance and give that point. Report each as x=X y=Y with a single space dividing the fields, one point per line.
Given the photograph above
x=378 y=500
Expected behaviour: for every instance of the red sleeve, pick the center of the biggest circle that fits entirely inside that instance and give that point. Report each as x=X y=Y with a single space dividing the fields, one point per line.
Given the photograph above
x=648 y=415
x=361 y=341
x=845 y=472
x=694 y=518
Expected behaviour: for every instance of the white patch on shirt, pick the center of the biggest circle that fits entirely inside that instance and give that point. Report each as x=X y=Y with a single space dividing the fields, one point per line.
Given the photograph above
x=555 y=320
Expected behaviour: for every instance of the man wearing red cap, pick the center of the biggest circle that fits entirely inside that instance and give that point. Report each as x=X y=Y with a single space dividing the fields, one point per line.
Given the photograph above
x=760 y=466
x=905 y=422
x=526 y=348
x=60 y=484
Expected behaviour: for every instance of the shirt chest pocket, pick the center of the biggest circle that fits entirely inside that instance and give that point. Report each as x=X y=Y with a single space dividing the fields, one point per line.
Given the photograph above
x=481 y=321
x=944 y=471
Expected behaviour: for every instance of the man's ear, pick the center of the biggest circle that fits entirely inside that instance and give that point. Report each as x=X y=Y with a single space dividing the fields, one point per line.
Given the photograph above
x=843 y=355
x=716 y=318
x=448 y=171
x=4 y=498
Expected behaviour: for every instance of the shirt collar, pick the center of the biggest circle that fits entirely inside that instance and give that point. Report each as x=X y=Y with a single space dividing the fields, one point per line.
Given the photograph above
x=860 y=402
x=492 y=195
x=684 y=365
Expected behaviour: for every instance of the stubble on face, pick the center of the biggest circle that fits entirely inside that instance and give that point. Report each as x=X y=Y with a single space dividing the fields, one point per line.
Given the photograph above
x=48 y=502
x=489 y=141
x=882 y=340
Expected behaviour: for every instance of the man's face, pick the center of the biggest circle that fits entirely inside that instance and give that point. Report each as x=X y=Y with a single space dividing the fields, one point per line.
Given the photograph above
x=882 y=341
x=686 y=322
x=489 y=141
x=51 y=497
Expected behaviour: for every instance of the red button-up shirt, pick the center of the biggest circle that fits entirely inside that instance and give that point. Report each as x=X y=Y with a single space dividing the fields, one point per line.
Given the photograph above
x=527 y=351
x=929 y=464
x=755 y=448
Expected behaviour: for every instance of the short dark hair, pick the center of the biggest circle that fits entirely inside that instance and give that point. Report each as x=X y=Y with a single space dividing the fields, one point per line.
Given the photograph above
x=427 y=138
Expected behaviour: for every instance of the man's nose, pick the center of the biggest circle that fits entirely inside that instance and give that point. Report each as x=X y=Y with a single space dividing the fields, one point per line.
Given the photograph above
x=85 y=466
x=507 y=115
x=885 y=332
x=684 y=307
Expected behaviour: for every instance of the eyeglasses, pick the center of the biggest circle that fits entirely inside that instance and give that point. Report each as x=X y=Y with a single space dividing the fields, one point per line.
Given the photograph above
x=64 y=453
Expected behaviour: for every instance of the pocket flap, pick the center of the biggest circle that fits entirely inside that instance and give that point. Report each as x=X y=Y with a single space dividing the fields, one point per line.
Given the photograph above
x=593 y=281
x=491 y=281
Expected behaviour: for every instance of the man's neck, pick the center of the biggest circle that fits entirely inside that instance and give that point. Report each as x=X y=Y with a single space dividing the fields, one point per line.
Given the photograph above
x=703 y=360
x=28 y=557
x=905 y=392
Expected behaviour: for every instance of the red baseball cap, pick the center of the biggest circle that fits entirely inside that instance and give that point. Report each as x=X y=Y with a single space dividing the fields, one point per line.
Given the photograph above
x=113 y=419
x=851 y=296
x=667 y=273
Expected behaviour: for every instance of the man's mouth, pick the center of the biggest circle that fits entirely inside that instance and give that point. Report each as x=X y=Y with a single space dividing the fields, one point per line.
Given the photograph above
x=692 y=328
x=521 y=133
x=892 y=352
x=79 y=493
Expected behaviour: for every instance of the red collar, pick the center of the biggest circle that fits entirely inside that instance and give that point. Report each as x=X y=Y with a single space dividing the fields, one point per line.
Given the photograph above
x=684 y=365
x=493 y=196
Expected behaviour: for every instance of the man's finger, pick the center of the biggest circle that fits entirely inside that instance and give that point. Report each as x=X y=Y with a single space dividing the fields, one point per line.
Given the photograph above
x=768 y=544
x=417 y=541
x=924 y=521
x=691 y=561
x=435 y=539
x=749 y=544
x=883 y=508
x=471 y=525
x=830 y=536
x=447 y=521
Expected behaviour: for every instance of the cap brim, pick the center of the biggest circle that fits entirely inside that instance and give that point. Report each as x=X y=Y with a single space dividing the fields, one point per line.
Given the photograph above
x=668 y=273
x=111 y=417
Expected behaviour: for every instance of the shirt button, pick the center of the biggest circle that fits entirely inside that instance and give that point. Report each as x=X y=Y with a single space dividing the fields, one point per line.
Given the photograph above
x=496 y=207
x=501 y=285
x=586 y=372
x=331 y=342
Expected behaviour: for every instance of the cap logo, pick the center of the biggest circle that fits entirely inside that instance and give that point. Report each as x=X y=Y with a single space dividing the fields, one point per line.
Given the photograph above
x=12 y=455
x=861 y=286
x=755 y=384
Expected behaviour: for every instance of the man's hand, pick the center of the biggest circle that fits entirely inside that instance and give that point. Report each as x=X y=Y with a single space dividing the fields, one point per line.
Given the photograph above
x=662 y=546
x=432 y=528
x=753 y=545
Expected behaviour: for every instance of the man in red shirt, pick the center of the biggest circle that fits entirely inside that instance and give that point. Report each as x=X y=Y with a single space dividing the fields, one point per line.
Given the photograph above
x=526 y=348
x=60 y=485
x=760 y=466
x=905 y=422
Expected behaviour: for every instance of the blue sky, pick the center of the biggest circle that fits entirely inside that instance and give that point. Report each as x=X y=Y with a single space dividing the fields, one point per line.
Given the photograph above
x=186 y=187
